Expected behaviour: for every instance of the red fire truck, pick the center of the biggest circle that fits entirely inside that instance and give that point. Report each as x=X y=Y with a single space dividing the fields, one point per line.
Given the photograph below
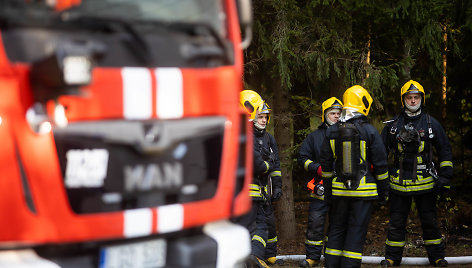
x=122 y=140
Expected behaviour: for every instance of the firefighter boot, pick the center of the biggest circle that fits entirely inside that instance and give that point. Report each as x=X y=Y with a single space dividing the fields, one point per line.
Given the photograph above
x=440 y=263
x=255 y=262
x=387 y=263
x=309 y=263
x=274 y=260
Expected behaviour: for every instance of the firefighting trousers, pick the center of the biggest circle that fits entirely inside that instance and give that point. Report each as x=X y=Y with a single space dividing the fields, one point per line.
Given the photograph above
x=317 y=213
x=348 y=222
x=399 y=210
x=271 y=248
x=255 y=222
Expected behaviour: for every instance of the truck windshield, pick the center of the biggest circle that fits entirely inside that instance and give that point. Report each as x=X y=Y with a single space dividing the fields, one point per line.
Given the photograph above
x=171 y=33
x=209 y=12
x=186 y=11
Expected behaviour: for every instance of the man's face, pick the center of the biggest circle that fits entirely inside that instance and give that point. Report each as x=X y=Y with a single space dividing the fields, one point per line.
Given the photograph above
x=333 y=116
x=262 y=119
x=413 y=99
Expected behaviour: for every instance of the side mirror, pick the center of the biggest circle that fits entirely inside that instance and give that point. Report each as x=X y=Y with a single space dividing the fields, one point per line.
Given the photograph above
x=245 y=21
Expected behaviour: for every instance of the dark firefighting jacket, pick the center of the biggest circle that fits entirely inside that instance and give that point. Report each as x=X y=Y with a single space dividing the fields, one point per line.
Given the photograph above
x=309 y=153
x=265 y=149
x=432 y=135
x=372 y=151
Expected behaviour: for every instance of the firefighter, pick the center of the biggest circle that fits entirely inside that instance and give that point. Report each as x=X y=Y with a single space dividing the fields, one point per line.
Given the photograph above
x=410 y=137
x=353 y=150
x=309 y=159
x=267 y=184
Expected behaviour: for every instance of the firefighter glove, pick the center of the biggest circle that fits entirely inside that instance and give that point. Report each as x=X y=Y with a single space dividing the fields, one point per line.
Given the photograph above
x=383 y=189
x=443 y=185
x=276 y=193
x=383 y=199
x=319 y=172
x=269 y=158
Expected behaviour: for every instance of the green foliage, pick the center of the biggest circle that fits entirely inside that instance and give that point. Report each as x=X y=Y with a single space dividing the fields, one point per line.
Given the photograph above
x=318 y=48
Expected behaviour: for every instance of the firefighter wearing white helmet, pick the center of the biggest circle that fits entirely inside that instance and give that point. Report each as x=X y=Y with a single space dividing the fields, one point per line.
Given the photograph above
x=309 y=159
x=353 y=150
x=267 y=184
x=410 y=137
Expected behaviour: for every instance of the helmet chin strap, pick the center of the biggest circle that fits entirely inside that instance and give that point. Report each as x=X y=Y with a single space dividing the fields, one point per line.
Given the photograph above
x=259 y=127
x=413 y=110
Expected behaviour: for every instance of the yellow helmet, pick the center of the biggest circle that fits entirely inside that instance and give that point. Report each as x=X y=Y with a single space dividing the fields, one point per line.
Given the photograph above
x=251 y=102
x=332 y=102
x=358 y=99
x=412 y=87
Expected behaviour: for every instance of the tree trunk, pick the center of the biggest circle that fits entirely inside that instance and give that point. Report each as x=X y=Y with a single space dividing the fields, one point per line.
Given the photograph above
x=367 y=59
x=405 y=74
x=284 y=210
x=444 y=84
x=336 y=83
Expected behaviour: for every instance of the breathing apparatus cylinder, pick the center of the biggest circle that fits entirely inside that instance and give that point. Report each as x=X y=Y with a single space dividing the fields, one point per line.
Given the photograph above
x=348 y=156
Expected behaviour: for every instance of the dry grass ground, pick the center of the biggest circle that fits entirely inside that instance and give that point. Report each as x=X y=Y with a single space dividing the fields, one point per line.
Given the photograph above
x=456 y=225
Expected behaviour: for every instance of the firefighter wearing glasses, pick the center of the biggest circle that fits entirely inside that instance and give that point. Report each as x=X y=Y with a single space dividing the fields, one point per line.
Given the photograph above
x=309 y=159
x=267 y=184
x=354 y=152
x=411 y=136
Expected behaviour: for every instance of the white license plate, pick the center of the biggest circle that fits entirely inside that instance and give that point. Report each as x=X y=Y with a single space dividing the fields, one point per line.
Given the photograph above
x=147 y=254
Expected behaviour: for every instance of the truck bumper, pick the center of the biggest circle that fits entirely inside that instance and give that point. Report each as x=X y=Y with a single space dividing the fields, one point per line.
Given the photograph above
x=221 y=244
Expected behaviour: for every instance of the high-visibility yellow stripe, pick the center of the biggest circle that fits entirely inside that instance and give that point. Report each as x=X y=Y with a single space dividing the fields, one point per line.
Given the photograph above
x=254 y=187
x=352 y=255
x=421 y=147
x=419 y=159
x=445 y=164
x=252 y=194
x=395 y=243
x=260 y=239
x=334 y=252
x=276 y=173
x=313 y=195
x=383 y=176
x=255 y=190
x=362 y=187
x=332 y=143
x=419 y=180
x=354 y=193
x=314 y=243
x=412 y=188
x=325 y=174
x=363 y=190
x=433 y=242
x=272 y=240
x=363 y=149
x=267 y=166
x=307 y=163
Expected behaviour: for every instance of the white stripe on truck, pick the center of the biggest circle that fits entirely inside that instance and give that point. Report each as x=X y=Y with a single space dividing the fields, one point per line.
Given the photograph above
x=137 y=93
x=169 y=93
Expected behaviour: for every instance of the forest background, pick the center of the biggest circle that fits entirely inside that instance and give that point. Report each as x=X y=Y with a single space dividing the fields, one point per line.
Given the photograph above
x=305 y=51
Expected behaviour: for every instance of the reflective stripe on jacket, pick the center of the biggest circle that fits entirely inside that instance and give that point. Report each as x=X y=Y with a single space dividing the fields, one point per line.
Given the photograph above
x=432 y=135
x=372 y=151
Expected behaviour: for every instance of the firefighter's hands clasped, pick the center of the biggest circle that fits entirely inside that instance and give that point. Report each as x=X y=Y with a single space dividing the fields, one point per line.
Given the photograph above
x=268 y=156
